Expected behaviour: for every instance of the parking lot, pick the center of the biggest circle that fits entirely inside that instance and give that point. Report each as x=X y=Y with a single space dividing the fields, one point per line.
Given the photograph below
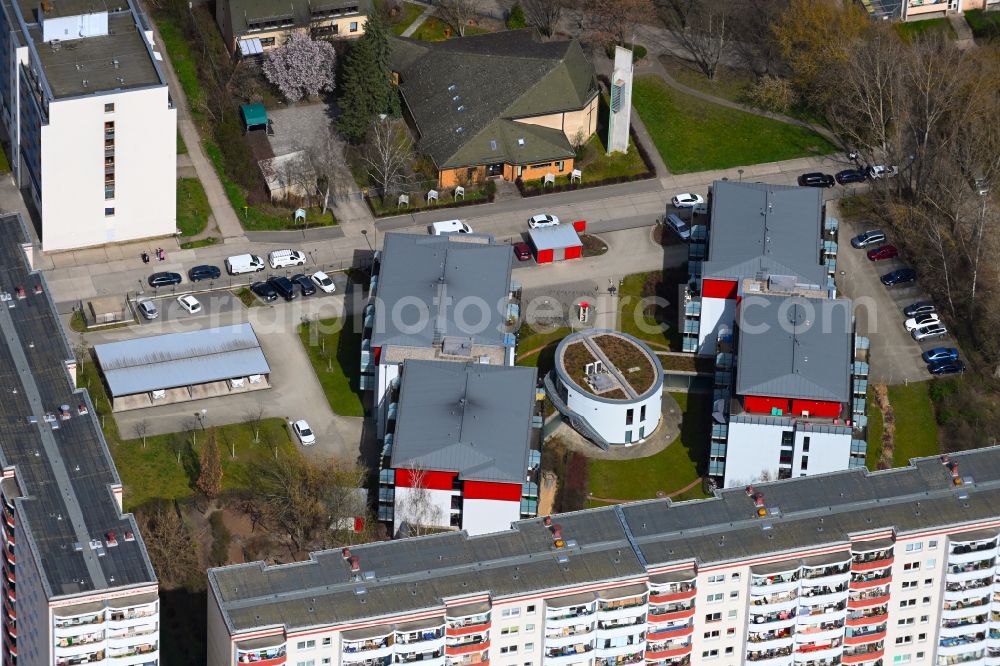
x=895 y=356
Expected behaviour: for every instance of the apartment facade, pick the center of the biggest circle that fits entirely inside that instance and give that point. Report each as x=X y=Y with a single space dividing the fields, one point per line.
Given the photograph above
x=251 y=28
x=461 y=449
x=917 y=10
x=443 y=298
x=851 y=567
x=77 y=584
x=89 y=122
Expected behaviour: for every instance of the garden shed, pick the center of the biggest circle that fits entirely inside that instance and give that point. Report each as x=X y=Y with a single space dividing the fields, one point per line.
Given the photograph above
x=555 y=243
x=254 y=117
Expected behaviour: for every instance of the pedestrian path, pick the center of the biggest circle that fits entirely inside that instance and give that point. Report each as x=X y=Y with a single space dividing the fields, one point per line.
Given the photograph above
x=965 y=39
x=428 y=11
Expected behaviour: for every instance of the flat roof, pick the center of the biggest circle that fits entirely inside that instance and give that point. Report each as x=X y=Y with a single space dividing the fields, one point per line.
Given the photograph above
x=611 y=544
x=424 y=281
x=795 y=347
x=469 y=418
x=764 y=229
x=63 y=468
x=550 y=238
x=173 y=360
x=84 y=66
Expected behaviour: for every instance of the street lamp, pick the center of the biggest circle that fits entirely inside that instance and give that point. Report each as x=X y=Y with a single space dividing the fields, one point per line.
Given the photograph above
x=740 y=171
x=364 y=232
x=201 y=417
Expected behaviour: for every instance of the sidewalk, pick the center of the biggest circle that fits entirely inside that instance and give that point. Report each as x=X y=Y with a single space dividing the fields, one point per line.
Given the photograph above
x=419 y=21
x=965 y=40
x=225 y=218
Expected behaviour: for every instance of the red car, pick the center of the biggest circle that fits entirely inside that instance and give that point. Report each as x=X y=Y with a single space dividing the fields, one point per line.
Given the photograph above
x=522 y=251
x=884 y=252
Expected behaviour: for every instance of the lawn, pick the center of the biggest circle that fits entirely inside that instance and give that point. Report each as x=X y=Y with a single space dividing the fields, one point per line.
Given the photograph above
x=437 y=30
x=596 y=165
x=985 y=25
x=4 y=164
x=192 y=207
x=405 y=18
x=693 y=135
x=636 y=321
x=909 y=30
x=152 y=471
x=528 y=339
x=334 y=348
x=874 y=432
x=181 y=146
x=729 y=82
x=184 y=62
x=201 y=242
x=667 y=471
x=916 y=428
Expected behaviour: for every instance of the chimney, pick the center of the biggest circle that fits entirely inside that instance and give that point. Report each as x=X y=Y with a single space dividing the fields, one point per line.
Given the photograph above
x=547 y=521
x=346 y=552
x=758 y=499
x=750 y=491
x=355 y=563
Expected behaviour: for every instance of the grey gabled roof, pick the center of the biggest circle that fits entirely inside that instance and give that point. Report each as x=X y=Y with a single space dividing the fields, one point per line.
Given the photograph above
x=795 y=347
x=441 y=273
x=759 y=228
x=457 y=90
x=181 y=359
x=468 y=418
x=242 y=12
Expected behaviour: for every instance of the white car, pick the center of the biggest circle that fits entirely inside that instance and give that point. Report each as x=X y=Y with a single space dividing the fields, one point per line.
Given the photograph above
x=189 y=303
x=304 y=433
x=882 y=171
x=542 y=220
x=687 y=200
x=922 y=320
x=324 y=282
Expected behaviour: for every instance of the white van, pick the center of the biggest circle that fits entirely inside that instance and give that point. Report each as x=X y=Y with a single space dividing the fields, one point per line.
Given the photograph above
x=244 y=263
x=286 y=258
x=450 y=227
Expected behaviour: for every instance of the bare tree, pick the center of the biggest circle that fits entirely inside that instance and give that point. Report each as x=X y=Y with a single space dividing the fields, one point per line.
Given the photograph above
x=140 y=428
x=388 y=154
x=170 y=546
x=254 y=416
x=703 y=28
x=614 y=21
x=326 y=159
x=417 y=514
x=457 y=13
x=544 y=14
x=756 y=45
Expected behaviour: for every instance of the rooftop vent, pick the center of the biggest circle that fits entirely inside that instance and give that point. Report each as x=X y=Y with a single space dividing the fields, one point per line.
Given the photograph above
x=493 y=144
x=520 y=142
x=451 y=87
x=115 y=62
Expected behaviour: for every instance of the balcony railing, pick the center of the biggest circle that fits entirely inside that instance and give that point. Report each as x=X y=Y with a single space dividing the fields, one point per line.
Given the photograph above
x=773 y=599
x=770 y=636
x=773 y=617
x=972 y=566
x=962 y=549
x=366 y=646
x=763 y=581
x=769 y=654
x=568 y=650
x=823 y=591
x=959 y=605
x=824 y=572
x=973 y=584
x=873 y=556
x=965 y=621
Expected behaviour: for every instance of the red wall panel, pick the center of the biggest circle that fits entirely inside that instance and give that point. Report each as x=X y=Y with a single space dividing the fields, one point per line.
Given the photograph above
x=718 y=289
x=487 y=490
x=574 y=252
x=762 y=404
x=816 y=408
x=432 y=480
x=543 y=256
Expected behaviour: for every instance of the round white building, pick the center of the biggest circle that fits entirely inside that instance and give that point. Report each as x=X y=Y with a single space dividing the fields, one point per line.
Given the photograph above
x=608 y=384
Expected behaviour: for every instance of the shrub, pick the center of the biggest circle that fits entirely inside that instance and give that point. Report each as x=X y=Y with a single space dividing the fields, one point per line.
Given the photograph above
x=490 y=188
x=237 y=158
x=773 y=94
x=638 y=51
x=516 y=19
x=221 y=538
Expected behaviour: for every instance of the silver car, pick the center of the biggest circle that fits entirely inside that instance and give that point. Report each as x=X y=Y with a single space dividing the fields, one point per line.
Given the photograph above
x=929 y=331
x=148 y=309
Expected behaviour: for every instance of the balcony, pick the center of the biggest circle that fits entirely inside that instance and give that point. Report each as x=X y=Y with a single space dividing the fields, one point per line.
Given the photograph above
x=80 y=658
x=819 y=652
x=429 y=658
x=676 y=593
x=863 y=653
x=468 y=625
x=776 y=602
x=877 y=559
x=774 y=584
x=868 y=635
x=768 y=655
x=973 y=625
x=671 y=650
x=479 y=644
x=973 y=547
x=569 y=654
x=819 y=575
x=952 y=645
x=780 y=619
x=820 y=595
x=868 y=617
x=659 y=615
x=271 y=656
x=873 y=597
x=860 y=581
x=371 y=648
x=621 y=659
x=820 y=631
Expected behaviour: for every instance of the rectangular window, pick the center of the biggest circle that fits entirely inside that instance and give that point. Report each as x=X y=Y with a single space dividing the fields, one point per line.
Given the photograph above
x=928 y=582
x=109 y=108
x=734 y=594
x=729 y=650
x=529 y=646
x=709 y=635
x=904 y=640
x=629 y=414
x=354 y=26
x=932 y=544
x=788 y=438
x=805 y=462
x=508 y=649
x=910 y=566
x=731 y=631
x=921 y=637
x=530 y=609
x=926 y=601
x=914 y=547
x=732 y=614
x=907 y=602
x=305 y=645
x=713 y=617
x=628 y=436
x=904 y=621
x=923 y=619
x=715 y=598
x=907 y=584
x=805 y=445
x=709 y=654
x=529 y=627
x=930 y=564
x=510 y=612
x=109 y=212
x=559 y=165
x=716 y=578
x=266 y=41
x=506 y=631
x=642 y=413
x=327 y=641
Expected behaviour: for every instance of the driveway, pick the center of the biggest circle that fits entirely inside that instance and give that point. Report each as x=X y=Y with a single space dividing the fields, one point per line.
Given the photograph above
x=878 y=310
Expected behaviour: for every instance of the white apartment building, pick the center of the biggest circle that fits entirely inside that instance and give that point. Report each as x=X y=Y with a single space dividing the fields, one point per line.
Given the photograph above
x=90 y=126
x=77 y=586
x=851 y=567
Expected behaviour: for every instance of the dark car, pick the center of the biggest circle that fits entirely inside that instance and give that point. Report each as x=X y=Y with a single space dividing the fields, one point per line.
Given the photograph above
x=204 y=273
x=265 y=291
x=851 y=176
x=164 y=279
x=866 y=238
x=919 y=308
x=946 y=367
x=816 y=179
x=939 y=354
x=899 y=276
x=305 y=284
x=283 y=286
x=884 y=252
x=522 y=251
